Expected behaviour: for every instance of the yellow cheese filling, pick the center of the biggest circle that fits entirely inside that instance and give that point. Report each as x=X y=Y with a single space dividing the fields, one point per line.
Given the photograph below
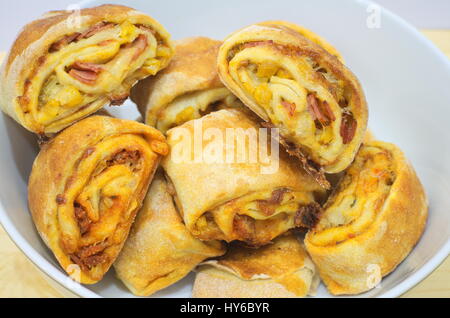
x=265 y=214
x=54 y=94
x=358 y=199
x=280 y=86
x=107 y=191
x=195 y=105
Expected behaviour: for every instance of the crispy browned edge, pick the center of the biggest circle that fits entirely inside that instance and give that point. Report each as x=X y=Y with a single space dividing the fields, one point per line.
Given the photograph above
x=405 y=215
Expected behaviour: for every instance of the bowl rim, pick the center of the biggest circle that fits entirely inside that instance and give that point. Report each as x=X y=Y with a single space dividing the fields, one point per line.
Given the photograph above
x=55 y=273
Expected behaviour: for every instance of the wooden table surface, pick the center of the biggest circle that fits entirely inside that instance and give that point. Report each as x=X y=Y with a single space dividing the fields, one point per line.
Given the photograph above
x=20 y=278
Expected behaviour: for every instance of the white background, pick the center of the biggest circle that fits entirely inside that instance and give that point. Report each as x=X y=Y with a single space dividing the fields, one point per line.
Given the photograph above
x=429 y=14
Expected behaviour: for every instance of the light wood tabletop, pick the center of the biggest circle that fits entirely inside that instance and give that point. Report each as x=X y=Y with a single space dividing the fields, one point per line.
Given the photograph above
x=20 y=278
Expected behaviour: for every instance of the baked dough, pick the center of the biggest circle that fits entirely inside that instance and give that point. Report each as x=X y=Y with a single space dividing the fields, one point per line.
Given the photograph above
x=279 y=270
x=295 y=81
x=160 y=251
x=188 y=89
x=371 y=222
x=86 y=187
x=66 y=66
x=223 y=199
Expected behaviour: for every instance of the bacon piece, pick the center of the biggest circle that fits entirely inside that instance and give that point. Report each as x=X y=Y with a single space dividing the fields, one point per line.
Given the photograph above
x=268 y=206
x=320 y=111
x=348 y=128
x=58 y=45
x=277 y=195
x=106 y=42
x=91 y=250
x=265 y=207
x=85 y=66
x=290 y=107
x=84 y=223
x=140 y=44
x=94 y=30
x=328 y=112
x=313 y=107
x=124 y=157
x=86 y=77
x=308 y=215
x=85 y=72
x=95 y=260
x=90 y=256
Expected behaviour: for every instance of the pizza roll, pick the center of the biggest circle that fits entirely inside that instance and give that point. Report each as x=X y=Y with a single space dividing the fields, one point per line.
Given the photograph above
x=371 y=222
x=67 y=65
x=86 y=187
x=187 y=89
x=236 y=196
x=285 y=75
x=160 y=251
x=279 y=270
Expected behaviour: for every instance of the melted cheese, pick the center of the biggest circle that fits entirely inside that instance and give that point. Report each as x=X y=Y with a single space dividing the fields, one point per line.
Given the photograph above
x=192 y=106
x=55 y=95
x=256 y=206
x=271 y=78
x=108 y=194
x=358 y=199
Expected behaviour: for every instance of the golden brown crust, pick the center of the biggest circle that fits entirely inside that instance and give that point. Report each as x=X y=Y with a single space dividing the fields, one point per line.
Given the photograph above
x=351 y=267
x=193 y=68
x=291 y=49
x=71 y=164
x=36 y=29
x=281 y=269
x=160 y=251
x=30 y=67
x=299 y=30
x=222 y=183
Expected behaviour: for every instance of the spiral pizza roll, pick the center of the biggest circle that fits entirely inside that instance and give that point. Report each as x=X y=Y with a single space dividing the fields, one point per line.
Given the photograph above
x=187 y=89
x=86 y=187
x=371 y=222
x=160 y=251
x=279 y=270
x=67 y=65
x=285 y=74
x=233 y=196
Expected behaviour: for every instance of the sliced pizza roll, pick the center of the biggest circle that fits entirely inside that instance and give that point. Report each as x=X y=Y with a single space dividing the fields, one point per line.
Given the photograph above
x=294 y=81
x=67 y=65
x=279 y=270
x=160 y=251
x=225 y=192
x=187 y=89
x=371 y=222
x=86 y=187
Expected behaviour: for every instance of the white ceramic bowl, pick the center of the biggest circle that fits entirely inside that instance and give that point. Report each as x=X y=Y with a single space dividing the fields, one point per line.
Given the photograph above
x=406 y=80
